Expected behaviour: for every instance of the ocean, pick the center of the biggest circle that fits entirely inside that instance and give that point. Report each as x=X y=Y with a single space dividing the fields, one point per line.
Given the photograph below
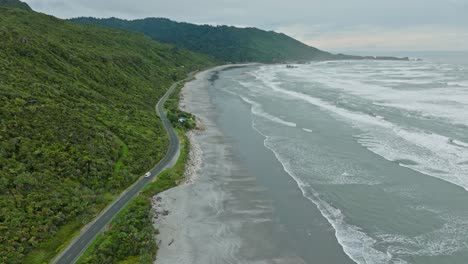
x=336 y=162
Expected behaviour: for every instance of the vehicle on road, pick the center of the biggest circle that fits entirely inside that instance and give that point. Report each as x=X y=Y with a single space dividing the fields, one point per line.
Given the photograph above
x=70 y=254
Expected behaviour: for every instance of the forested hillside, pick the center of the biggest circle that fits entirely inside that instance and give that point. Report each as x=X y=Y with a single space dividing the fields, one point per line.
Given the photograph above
x=226 y=43
x=229 y=44
x=15 y=4
x=77 y=124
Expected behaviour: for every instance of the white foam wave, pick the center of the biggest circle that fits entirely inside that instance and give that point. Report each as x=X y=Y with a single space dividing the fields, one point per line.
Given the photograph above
x=448 y=239
x=459 y=143
x=356 y=244
x=307 y=130
x=258 y=111
x=460 y=83
x=395 y=87
x=411 y=81
x=433 y=153
x=361 y=247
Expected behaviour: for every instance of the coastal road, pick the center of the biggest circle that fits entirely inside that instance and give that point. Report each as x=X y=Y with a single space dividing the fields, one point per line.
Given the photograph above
x=80 y=244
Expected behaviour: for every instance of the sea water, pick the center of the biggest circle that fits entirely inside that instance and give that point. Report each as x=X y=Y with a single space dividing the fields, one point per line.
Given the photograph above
x=378 y=148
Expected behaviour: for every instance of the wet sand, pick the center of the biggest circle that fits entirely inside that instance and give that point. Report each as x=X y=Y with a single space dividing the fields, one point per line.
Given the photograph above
x=191 y=232
x=238 y=206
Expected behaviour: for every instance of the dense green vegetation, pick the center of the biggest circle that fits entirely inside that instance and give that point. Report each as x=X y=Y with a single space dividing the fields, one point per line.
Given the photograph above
x=130 y=237
x=229 y=44
x=174 y=113
x=77 y=124
x=15 y=4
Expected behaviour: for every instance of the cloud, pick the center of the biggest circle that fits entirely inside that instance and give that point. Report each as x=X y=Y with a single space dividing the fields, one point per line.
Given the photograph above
x=328 y=24
x=379 y=38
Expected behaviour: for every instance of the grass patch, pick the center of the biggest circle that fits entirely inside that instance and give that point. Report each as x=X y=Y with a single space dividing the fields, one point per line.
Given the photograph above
x=123 y=153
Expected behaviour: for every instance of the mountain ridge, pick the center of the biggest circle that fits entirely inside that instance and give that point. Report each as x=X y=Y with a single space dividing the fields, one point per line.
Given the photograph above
x=226 y=43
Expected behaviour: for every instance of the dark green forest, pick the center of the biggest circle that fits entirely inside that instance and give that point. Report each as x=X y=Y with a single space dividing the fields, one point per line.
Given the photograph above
x=77 y=124
x=229 y=44
x=130 y=237
x=226 y=43
x=15 y=4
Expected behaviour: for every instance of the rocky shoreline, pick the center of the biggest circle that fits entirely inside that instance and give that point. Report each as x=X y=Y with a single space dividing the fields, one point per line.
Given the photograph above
x=194 y=161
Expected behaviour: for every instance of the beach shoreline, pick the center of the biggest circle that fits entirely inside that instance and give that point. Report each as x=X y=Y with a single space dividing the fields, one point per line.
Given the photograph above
x=170 y=208
x=238 y=205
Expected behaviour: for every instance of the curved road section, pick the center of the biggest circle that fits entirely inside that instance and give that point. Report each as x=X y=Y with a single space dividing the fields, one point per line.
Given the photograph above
x=81 y=243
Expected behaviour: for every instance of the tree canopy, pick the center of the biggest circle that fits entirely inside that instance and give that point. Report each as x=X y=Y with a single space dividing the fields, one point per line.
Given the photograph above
x=15 y=4
x=229 y=44
x=77 y=124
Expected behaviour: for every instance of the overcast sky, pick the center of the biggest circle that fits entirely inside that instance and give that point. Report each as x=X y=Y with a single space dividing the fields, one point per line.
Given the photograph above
x=334 y=25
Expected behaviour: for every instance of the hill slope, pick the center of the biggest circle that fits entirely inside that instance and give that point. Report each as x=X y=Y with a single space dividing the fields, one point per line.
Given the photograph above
x=77 y=124
x=229 y=44
x=15 y=4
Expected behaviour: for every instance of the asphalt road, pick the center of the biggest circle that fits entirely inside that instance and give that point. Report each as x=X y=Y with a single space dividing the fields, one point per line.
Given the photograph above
x=81 y=243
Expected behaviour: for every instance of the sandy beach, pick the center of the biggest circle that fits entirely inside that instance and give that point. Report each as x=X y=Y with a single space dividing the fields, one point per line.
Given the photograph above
x=214 y=217
x=292 y=169
x=238 y=205
x=193 y=207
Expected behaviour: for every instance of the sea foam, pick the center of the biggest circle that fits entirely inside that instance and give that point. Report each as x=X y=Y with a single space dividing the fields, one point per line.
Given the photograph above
x=259 y=112
x=356 y=244
x=433 y=153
